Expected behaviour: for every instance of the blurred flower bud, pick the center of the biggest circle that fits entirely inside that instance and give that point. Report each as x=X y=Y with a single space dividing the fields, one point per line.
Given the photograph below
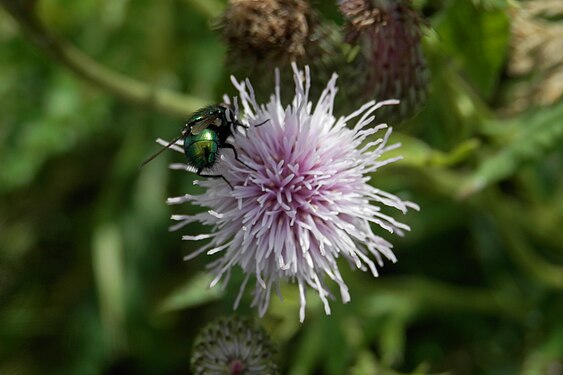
x=267 y=29
x=263 y=34
x=390 y=63
x=534 y=61
x=233 y=346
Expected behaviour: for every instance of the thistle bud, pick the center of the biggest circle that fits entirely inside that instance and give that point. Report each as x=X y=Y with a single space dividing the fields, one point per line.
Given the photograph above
x=262 y=34
x=390 y=62
x=233 y=346
x=534 y=61
x=266 y=29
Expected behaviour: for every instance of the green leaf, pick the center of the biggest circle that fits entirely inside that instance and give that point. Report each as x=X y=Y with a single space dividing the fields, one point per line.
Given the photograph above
x=310 y=350
x=393 y=339
x=193 y=293
x=108 y=263
x=335 y=346
x=477 y=40
x=417 y=153
x=366 y=364
x=495 y=4
x=536 y=136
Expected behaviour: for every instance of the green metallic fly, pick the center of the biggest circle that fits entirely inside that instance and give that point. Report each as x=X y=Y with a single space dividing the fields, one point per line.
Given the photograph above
x=204 y=134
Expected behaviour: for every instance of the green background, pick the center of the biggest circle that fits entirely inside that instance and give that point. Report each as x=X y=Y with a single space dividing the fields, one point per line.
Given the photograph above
x=92 y=282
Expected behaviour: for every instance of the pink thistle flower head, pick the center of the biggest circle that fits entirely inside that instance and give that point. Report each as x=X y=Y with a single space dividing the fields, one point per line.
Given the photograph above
x=301 y=199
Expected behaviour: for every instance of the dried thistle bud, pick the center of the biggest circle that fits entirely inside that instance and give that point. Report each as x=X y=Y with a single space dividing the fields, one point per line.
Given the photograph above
x=233 y=346
x=266 y=29
x=263 y=34
x=390 y=62
x=535 y=63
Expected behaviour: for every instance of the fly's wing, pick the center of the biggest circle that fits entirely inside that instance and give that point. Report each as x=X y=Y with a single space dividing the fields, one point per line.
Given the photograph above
x=202 y=123
x=203 y=118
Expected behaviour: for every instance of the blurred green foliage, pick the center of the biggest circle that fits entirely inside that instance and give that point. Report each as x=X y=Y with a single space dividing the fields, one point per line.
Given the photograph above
x=91 y=281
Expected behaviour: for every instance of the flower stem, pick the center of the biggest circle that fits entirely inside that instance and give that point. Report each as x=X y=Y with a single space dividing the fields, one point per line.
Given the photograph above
x=120 y=85
x=413 y=296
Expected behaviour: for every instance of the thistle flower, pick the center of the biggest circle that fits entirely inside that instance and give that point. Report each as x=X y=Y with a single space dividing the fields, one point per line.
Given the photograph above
x=233 y=346
x=304 y=202
x=390 y=63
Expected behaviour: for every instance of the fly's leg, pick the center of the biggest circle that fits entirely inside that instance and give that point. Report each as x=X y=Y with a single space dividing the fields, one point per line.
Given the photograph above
x=230 y=146
x=199 y=173
x=248 y=127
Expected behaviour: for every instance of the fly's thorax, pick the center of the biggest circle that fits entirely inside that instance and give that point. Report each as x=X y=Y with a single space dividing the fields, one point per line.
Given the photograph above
x=219 y=117
x=228 y=124
x=211 y=111
x=202 y=149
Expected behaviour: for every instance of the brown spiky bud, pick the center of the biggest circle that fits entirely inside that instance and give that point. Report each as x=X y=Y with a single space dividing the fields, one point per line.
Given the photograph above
x=271 y=29
x=264 y=34
x=390 y=63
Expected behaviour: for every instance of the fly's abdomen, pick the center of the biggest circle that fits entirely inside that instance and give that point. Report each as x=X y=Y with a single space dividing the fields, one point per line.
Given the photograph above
x=202 y=149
